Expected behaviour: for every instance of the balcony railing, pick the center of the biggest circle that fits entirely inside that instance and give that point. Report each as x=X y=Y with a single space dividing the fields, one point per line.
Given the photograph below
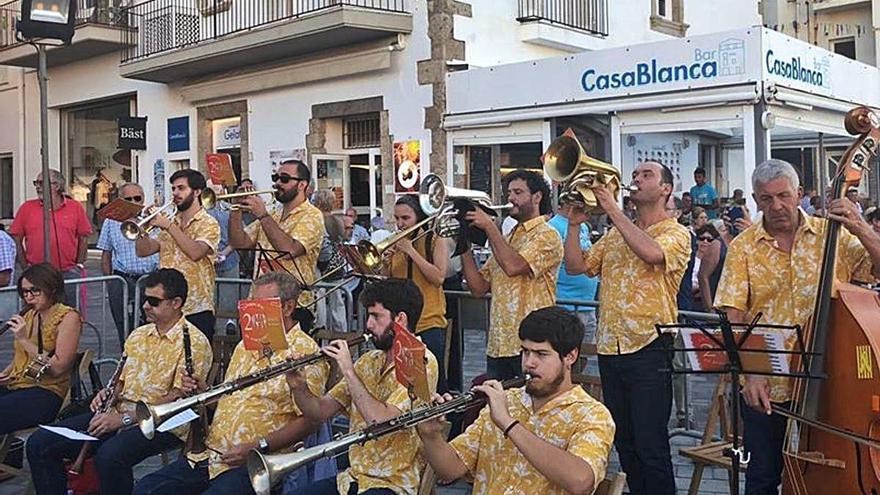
x=104 y=12
x=163 y=25
x=586 y=15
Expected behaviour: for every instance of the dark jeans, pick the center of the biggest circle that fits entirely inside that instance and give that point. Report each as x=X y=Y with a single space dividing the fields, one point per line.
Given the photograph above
x=114 y=456
x=639 y=397
x=435 y=340
x=763 y=437
x=328 y=487
x=135 y=315
x=205 y=322
x=503 y=368
x=178 y=478
x=26 y=408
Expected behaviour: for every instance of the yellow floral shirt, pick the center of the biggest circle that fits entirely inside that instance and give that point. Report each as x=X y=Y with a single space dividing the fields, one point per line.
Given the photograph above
x=573 y=422
x=515 y=297
x=305 y=224
x=391 y=461
x=253 y=413
x=156 y=364
x=200 y=274
x=758 y=277
x=634 y=295
x=59 y=385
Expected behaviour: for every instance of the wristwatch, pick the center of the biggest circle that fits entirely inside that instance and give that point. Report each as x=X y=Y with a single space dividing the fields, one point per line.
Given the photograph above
x=263 y=446
x=127 y=420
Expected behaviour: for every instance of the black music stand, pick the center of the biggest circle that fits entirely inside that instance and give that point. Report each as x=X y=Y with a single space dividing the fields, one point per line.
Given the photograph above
x=728 y=361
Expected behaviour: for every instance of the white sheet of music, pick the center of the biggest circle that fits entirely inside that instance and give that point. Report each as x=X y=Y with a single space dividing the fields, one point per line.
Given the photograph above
x=177 y=420
x=68 y=433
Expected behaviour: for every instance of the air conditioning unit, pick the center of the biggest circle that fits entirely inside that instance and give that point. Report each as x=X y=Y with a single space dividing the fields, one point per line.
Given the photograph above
x=168 y=28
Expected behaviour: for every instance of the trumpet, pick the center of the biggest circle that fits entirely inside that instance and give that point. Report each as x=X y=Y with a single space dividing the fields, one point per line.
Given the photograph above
x=266 y=470
x=434 y=195
x=150 y=416
x=210 y=198
x=566 y=161
x=132 y=229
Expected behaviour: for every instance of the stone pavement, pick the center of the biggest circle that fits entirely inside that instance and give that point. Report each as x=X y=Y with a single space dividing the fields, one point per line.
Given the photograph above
x=101 y=335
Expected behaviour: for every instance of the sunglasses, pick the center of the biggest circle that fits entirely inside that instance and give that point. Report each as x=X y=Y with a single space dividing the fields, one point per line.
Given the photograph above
x=134 y=199
x=39 y=183
x=30 y=291
x=153 y=300
x=284 y=178
x=706 y=239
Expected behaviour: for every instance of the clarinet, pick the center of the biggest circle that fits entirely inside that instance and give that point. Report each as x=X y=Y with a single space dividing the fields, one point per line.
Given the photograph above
x=110 y=396
x=195 y=441
x=7 y=324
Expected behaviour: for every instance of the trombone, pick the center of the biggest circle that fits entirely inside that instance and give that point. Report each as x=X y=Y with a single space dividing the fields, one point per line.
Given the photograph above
x=132 y=229
x=266 y=470
x=566 y=161
x=210 y=198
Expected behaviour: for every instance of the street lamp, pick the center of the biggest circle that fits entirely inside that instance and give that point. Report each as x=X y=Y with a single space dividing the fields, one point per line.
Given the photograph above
x=44 y=21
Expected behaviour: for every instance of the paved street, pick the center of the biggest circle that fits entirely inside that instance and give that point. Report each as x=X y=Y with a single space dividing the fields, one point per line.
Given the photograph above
x=101 y=335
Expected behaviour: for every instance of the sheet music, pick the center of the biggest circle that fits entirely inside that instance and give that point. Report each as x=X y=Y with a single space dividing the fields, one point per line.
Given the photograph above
x=177 y=420
x=68 y=433
x=714 y=358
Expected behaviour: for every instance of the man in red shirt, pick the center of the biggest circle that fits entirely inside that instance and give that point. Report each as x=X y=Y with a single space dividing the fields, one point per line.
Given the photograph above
x=68 y=228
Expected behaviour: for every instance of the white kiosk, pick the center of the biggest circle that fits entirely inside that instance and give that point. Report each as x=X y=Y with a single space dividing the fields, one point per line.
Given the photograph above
x=724 y=101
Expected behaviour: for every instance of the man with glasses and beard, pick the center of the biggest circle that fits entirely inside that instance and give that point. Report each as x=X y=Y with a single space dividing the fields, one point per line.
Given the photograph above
x=370 y=393
x=188 y=242
x=549 y=437
x=154 y=373
x=118 y=257
x=296 y=230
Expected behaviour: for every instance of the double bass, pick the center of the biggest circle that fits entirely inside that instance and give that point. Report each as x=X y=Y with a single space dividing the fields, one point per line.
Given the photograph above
x=832 y=444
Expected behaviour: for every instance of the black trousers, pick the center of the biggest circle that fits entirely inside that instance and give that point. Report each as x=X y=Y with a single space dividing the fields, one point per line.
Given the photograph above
x=639 y=397
x=115 y=456
x=763 y=437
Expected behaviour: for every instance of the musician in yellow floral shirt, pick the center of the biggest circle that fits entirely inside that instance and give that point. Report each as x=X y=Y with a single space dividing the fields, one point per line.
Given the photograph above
x=188 y=242
x=521 y=274
x=773 y=268
x=547 y=438
x=640 y=264
x=154 y=373
x=370 y=393
x=262 y=416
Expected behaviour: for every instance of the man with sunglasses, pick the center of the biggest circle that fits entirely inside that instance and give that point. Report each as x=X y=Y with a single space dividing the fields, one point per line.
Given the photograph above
x=153 y=373
x=188 y=242
x=68 y=228
x=118 y=257
x=287 y=239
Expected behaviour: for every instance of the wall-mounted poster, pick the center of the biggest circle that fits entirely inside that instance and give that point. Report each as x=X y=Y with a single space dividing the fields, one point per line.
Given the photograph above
x=277 y=157
x=407 y=163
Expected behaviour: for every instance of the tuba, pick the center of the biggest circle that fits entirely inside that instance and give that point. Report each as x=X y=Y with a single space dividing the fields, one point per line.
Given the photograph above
x=566 y=161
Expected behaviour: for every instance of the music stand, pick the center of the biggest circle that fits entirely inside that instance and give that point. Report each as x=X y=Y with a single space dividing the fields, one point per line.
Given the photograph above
x=729 y=354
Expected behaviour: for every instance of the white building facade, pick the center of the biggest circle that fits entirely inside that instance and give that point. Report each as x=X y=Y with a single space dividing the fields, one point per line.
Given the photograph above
x=355 y=88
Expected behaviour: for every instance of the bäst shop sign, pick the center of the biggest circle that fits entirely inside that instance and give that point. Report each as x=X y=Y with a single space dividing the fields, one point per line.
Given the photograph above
x=132 y=133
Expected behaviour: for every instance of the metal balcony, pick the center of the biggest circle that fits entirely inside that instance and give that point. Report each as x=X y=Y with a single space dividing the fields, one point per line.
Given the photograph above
x=99 y=24
x=590 y=16
x=180 y=39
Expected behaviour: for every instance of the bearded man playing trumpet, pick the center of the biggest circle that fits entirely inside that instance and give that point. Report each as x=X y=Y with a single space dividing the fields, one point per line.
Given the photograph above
x=296 y=229
x=549 y=437
x=188 y=242
x=370 y=393
x=640 y=264
x=262 y=416
x=154 y=373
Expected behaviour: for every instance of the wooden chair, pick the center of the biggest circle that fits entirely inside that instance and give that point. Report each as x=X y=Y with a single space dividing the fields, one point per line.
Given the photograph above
x=612 y=486
x=710 y=452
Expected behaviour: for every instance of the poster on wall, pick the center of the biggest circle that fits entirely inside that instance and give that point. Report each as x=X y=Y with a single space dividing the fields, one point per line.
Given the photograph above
x=277 y=157
x=159 y=182
x=407 y=160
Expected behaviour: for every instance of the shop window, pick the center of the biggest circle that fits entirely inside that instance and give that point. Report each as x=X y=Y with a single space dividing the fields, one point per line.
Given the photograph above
x=94 y=165
x=361 y=132
x=667 y=16
x=6 y=206
x=846 y=47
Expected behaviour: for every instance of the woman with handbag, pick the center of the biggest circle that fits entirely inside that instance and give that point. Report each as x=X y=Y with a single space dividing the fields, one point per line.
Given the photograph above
x=46 y=337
